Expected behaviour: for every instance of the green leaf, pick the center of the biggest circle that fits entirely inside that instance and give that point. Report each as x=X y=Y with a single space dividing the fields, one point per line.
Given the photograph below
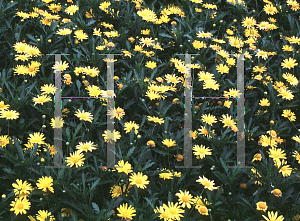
x=19 y=148
x=143 y=121
x=74 y=216
x=78 y=84
x=60 y=174
x=96 y=207
x=160 y=152
x=131 y=135
x=32 y=38
x=150 y=202
x=33 y=152
x=224 y=166
x=148 y=164
x=95 y=184
x=127 y=105
x=164 y=111
x=9 y=6
x=247 y=203
x=9 y=171
x=170 y=196
x=165 y=35
x=68 y=133
x=130 y=152
x=83 y=180
x=91 y=22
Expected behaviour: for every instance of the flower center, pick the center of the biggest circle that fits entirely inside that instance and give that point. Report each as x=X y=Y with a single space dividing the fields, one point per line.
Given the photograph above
x=185 y=199
x=20 y=206
x=138 y=181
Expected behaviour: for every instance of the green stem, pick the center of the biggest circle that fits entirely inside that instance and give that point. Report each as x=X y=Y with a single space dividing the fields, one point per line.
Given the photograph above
x=8 y=128
x=294 y=125
x=168 y=157
x=195 y=203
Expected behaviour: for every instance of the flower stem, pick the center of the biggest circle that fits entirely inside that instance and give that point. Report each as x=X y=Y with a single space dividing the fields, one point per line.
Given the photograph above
x=8 y=128
x=195 y=203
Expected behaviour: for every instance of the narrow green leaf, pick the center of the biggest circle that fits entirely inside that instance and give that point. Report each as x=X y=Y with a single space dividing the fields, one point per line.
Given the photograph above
x=96 y=208
x=130 y=152
x=127 y=105
x=95 y=184
x=78 y=84
x=19 y=148
x=32 y=38
x=150 y=202
x=83 y=180
x=148 y=164
x=224 y=166
x=131 y=135
x=91 y=22
x=33 y=151
x=68 y=133
x=166 y=35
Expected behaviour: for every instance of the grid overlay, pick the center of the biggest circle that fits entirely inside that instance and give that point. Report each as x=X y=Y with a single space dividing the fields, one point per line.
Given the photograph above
x=58 y=114
x=240 y=114
x=187 y=116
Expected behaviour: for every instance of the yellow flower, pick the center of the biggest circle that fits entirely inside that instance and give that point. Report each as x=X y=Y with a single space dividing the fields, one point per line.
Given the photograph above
x=94 y=91
x=24 y=186
x=48 y=89
x=163 y=213
x=9 y=114
x=201 y=151
x=277 y=192
x=116 y=135
x=232 y=92
x=79 y=34
x=166 y=175
x=291 y=79
x=174 y=210
x=45 y=183
x=206 y=183
x=127 y=53
x=37 y=137
x=203 y=210
x=185 y=199
x=288 y=114
x=41 y=99
x=139 y=180
x=257 y=157
x=71 y=9
x=117 y=190
x=169 y=142
x=44 y=214
x=86 y=116
x=209 y=119
x=273 y=217
x=20 y=206
x=3 y=106
x=4 y=140
x=151 y=64
x=199 y=44
x=227 y=121
x=285 y=93
x=264 y=102
x=126 y=212
x=289 y=63
x=270 y=9
x=87 y=146
x=128 y=126
x=156 y=119
x=123 y=168
x=261 y=206
x=75 y=159
x=59 y=66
